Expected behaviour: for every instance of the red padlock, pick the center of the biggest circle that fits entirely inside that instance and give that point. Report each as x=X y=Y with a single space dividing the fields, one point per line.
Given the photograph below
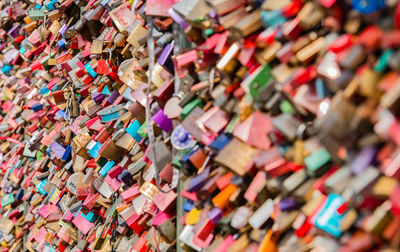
x=103 y=67
x=397 y=17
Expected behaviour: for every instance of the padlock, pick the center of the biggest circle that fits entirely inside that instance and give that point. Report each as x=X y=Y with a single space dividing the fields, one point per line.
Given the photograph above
x=103 y=66
x=299 y=150
x=97 y=47
x=75 y=106
x=59 y=97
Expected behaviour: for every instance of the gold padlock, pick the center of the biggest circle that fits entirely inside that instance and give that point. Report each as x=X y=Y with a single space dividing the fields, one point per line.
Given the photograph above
x=299 y=152
x=99 y=243
x=75 y=106
x=97 y=47
x=149 y=190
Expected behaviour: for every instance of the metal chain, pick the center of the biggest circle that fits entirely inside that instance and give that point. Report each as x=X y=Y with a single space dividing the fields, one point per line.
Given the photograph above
x=150 y=131
x=113 y=225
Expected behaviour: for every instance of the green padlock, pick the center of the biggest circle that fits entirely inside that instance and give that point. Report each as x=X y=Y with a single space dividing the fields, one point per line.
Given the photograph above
x=262 y=77
x=190 y=106
x=36 y=15
x=383 y=61
x=8 y=199
x=317 y=161
x=286 y=107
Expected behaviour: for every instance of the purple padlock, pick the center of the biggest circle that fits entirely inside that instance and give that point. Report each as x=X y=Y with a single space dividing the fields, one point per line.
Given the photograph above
x=162 y=121
x=363 y=159
x=177 y=18
x=13 y=32
x=165 y=53
x=98 y=98
x=215 y=215
x=114 y=95
x=181 y=138
x=287 y=204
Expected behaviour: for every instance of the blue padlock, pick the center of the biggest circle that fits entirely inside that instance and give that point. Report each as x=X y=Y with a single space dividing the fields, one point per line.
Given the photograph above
x=272 y=18
x=40 y=186
x=22 y=50
x=132 y=130
x=61 y=43
x=94 y=151
x=90 y=70
x=37 y=107
x=44 y=90
x=107 y=167
x=50 y=6
x=220 y=142
x=367 y=6
x=6 y=69
x=67 y=153
x=322 y=90
x=328 y=218
x=188 y=205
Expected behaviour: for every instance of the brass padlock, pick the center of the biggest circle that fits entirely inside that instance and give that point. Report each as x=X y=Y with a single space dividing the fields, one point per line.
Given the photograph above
x=54 y=15
x=119 y=39
x=136 y=35
x=299 y=151
x=97 y=47
x=51 y=62
x=75 y=106
x=99 y=243
x=68 y=136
